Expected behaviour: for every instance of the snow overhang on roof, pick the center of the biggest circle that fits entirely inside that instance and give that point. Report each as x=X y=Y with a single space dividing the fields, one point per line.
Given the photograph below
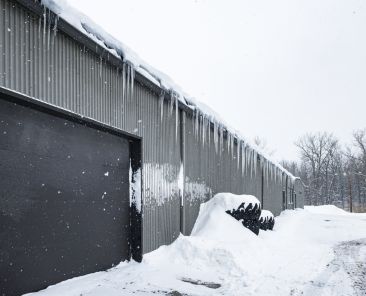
x=156 y=79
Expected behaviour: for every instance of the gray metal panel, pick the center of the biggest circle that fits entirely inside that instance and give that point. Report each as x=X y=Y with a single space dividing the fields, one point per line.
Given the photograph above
x=272 y=195
x=209 y=169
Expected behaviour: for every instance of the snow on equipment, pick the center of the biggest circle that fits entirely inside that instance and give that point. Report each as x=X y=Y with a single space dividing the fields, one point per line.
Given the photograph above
x=214 y=219
x=248 y=212
x=266 y=220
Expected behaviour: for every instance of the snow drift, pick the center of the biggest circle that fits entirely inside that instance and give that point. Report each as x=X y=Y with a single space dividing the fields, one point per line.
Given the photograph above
x=213 y=221
x=291 y=260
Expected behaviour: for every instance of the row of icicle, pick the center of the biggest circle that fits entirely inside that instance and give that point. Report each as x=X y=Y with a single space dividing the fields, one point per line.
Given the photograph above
x=205 y=127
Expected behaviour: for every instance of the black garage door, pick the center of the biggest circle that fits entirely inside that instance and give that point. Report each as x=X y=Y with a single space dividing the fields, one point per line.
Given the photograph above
x=64 y=198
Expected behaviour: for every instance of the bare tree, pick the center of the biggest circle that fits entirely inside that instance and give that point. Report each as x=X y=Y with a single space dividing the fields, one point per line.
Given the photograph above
x=356 y=168
x=333 y=175
x=318 y=156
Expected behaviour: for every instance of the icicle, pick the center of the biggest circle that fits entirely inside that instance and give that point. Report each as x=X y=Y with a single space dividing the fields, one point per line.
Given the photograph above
x=203 y=130
x=246 y=159
x=176 y=118
x=132 y=78
x=275 y=174
x=232 y=145
x=39 y=27
x=100 y=66
x=265 y=169
x=48 y=31
x=251 y=163
x=124 y=81
x=161 y=103
x=271 y=172
x=127 y=81
x=255 y=162
x=242 y=159
x=44 y=24
x=55 y=26
x=215 y=135
x=221 y=139
x=194 y=122
x=54 y=30
x=238 y=152
x=171 y=103
x=197 y=123
x=228 y=142
x=209 y=132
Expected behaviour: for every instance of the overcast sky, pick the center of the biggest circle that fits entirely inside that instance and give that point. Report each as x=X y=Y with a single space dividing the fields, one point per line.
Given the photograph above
x=274 y=69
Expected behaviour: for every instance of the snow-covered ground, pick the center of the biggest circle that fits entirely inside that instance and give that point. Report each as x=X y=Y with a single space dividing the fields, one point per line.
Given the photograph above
x=315 y=251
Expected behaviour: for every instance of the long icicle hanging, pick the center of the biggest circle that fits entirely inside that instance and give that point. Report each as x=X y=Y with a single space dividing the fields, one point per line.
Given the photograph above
x=124 y=82
x=203 y=130
x=171 y=103
x=132 y=78
x=161 y=104
x=176 y=118
x=238 y=153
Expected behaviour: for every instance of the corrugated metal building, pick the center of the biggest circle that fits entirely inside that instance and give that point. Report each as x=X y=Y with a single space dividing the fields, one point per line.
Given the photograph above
x=48 y=67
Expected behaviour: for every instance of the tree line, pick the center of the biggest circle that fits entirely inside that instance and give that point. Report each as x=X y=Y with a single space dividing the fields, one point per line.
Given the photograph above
x=331 y=172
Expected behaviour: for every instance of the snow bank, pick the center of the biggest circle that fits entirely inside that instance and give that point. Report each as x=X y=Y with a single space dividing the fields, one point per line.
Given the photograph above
x=214 y=223
x=292 y=260
x=327 y=210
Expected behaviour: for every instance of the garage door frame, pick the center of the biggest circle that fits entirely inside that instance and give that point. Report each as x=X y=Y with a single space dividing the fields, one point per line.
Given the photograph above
x=135 y=145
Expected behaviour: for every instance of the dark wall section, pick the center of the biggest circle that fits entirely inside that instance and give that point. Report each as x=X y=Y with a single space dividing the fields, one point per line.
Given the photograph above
x=64 y=198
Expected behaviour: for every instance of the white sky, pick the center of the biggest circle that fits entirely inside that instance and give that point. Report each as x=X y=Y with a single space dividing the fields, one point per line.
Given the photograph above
x=274 y=69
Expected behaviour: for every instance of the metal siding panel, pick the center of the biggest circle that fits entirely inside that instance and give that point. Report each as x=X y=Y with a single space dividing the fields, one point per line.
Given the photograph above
x=208 y=172
x=272 y=194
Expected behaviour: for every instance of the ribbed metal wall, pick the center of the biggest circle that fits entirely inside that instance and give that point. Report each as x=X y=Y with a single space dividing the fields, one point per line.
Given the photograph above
x=40 y=62
x=209 y=169
x=272 y=195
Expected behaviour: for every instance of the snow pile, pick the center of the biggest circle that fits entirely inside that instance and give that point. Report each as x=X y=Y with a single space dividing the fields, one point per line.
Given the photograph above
x=327 y=210
x=214 y=223
x=300 y=257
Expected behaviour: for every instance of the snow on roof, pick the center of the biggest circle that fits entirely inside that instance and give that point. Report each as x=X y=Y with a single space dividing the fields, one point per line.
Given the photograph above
x=86 y=26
